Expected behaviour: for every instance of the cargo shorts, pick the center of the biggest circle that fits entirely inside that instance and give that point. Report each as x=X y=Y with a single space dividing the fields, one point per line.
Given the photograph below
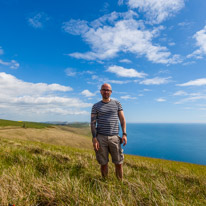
x=109 y=144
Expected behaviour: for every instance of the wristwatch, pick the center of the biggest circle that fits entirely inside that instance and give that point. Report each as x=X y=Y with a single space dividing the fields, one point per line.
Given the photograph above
x=125 y=134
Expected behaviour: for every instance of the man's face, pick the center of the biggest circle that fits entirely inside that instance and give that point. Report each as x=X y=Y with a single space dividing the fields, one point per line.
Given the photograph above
x=106 y=91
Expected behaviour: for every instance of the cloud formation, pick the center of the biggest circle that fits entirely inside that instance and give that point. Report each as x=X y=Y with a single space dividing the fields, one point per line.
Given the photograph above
x=156 y=81
x=120 y=2
x=156 y=11
x=70 y=72
x=196 y=82
x=161 y=100
x=116 y=81
x=122 y=72
x=200 y=38
x=180 y=93
x=38 y=20
x=87 y=93
x=125 y=61
x=126 y=97
x=119 y=32
x=37 y=98
x=75 y=27
x=12 y=64
x=191 y=99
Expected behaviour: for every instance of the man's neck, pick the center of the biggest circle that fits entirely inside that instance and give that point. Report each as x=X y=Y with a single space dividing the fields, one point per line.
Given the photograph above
x=106 y=100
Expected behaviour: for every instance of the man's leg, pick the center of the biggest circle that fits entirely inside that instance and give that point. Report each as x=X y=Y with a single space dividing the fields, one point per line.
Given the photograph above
x=119 y=171
x=102 y=154
x=117 y=155
x=104 y=170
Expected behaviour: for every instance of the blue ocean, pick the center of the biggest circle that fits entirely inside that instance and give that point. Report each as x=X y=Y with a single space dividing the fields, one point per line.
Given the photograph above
x=179 y=142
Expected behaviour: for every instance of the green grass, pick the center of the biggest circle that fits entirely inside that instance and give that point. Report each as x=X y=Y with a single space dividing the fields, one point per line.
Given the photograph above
x=35 y=173
x=6 y=123
x=78 y=124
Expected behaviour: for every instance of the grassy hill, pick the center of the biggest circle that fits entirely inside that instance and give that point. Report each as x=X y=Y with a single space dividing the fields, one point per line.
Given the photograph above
x=24 y=124
x=57 y=171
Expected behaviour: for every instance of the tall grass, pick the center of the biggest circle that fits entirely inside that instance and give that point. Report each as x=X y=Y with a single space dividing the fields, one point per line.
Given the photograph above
x=35 y=173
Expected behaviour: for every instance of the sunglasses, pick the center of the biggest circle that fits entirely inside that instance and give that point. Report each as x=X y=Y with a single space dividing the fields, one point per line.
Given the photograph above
x=106 y=90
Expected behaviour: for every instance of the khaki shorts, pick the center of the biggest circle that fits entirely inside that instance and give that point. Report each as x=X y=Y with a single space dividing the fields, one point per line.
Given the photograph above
x=109 y=144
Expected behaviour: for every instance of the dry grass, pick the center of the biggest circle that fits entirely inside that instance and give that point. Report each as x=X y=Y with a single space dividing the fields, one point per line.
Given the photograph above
x=58 y=135
x=56 y=167
x=35 y=173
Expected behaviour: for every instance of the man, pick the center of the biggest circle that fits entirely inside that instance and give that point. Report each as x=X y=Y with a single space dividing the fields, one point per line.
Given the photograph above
x=106 y=114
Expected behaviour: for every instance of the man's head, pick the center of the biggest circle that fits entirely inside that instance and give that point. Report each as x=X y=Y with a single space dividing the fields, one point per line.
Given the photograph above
x=106 y=91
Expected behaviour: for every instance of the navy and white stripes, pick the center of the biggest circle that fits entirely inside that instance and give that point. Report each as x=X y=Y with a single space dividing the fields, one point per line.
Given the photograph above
x=107 y=117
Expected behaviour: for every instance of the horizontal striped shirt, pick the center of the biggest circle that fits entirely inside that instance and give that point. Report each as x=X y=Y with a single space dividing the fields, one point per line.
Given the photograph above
x=107 y=117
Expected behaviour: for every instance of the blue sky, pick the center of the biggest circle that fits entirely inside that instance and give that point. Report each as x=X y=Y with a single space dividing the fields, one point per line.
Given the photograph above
x=54 y=56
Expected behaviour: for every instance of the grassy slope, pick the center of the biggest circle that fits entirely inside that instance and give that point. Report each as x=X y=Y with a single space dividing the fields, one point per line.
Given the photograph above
x=37 y=173
x=9 y=123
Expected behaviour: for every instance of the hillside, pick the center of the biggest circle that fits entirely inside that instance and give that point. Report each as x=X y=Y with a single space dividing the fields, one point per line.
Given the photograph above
x=53 y=134
x=55 y=171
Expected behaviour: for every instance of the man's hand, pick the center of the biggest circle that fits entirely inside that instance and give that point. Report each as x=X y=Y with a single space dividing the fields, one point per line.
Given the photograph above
x=95 y=144
x=124 y=140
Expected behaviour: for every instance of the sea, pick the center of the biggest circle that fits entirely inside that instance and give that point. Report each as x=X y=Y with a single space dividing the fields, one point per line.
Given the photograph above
x=178 y=142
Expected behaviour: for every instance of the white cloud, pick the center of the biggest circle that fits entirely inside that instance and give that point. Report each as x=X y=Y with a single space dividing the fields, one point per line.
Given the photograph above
x=200 y=38
x=147 y=90
x=171 y=44
x=120 y=32
x=49 y=100
x=125 y=61
x=164 y=71
x=191 y=99
x=14 y=86
x=70 y=72
x=122 y=72
x=160 y=100
x=157 y=11
x=12 y=64
x=197 y=82
x=127 y=97
x=188 y=63
x=180 y=93
x=64 y=112
x=185 y=24
x=110 y=19
x=4 y=63
x=75 y=27
x=100 y=80
x=95 y=77
x=105 y=8
x=25 y=98
x=87 y=93
x=120 y=2
x=38 y=20
x=156 y=81
x=116 y=81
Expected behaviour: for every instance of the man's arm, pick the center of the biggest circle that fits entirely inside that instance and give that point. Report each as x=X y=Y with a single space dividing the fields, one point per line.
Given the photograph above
x=123 y=126
x=94 y=132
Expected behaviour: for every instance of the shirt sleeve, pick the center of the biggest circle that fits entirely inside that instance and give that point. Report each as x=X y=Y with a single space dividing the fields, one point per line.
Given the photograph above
x=94 y=110
x=119 y=106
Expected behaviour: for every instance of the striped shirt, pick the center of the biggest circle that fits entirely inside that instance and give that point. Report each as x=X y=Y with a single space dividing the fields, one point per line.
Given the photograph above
x=107 y=117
